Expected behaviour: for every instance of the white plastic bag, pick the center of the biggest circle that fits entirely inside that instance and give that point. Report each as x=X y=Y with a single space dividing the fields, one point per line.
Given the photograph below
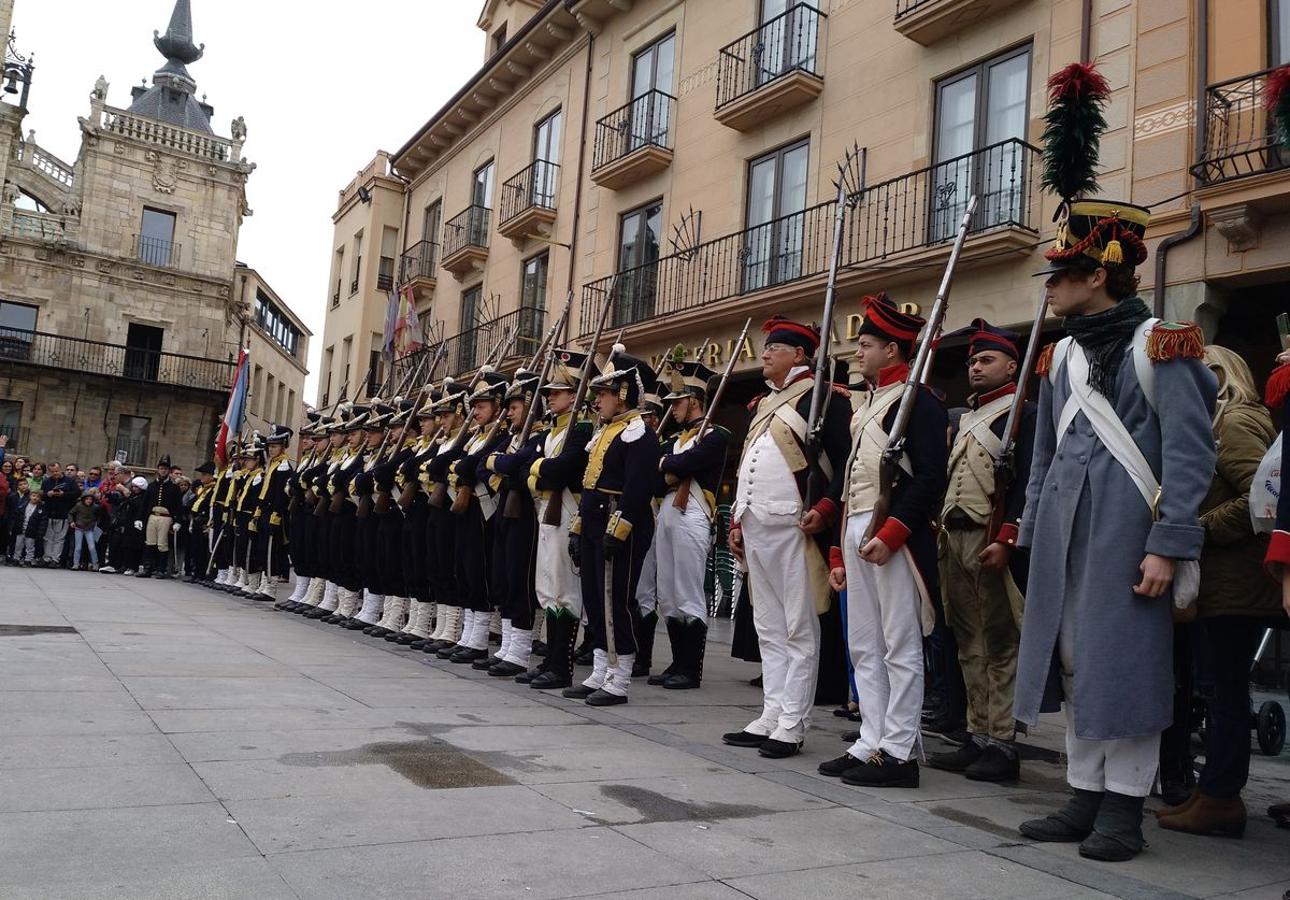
x=1265 y=490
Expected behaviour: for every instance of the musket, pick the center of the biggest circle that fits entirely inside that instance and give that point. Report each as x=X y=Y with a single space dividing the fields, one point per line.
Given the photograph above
x=658 y=373
x=682 y=498
x=382 y=504
x=439 y=498
x=815 y=421
x=512 y=508
x=895 y=449
x=552 y=514
x=1005 y=467
x=366 y=503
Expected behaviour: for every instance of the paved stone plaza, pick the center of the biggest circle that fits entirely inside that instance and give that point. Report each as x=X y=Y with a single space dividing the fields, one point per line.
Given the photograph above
x=160 y=740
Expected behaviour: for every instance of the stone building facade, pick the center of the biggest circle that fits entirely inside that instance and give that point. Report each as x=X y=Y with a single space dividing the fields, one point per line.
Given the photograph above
x=279 y=346
x=120 y=317
x=679 y=156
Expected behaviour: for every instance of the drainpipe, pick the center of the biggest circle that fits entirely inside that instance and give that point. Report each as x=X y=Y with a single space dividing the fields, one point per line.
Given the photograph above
x=1198 y=151
x=582 y=159
x=1086 y=31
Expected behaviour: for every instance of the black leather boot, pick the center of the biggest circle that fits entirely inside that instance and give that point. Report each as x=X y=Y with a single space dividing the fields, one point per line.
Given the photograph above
x=694 y=641
x=1073 y=822
x=676 y=640
x=561 y=634
x=645 y=626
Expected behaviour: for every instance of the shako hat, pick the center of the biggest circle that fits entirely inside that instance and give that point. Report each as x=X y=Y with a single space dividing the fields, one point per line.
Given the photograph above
x=982 y=336
x=652 y=403
x=633 y=378
x=687 y=379
x=164 y=461
x=523 y=386
x=206 y=468
x=353 y=417
x=278 y=434
x=566 y=370
x=782 y=330
x=490 y=386
x=433 y=396
x=380 y=415
x=452 y=398
x=883 y=319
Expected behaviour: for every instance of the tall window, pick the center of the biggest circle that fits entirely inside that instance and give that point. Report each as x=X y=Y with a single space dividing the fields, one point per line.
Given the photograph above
x=385 y=266
x=329 y=358
x=468 y=327
x=132 y=440
x=17 y=322
x=481 y=190
x=430 y=221
x=653 y=69
x=347 y=356
x=339 y=274
x=787 y=40
x=374 y=374
x=11 y=421
x=546 y=159
x=1279 y=32
x=776 y=198
x=980 y=119
x=143 y=351
x=358 y=262
x=640 y=234
x=157 y=237
x=499 y=39
x=532 y=304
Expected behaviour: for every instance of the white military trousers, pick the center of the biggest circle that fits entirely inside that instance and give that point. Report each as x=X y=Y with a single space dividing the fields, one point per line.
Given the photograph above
x=555 y=580
x=682 y=539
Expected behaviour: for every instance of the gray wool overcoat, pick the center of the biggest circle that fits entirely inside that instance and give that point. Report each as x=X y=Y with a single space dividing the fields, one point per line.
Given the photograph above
x=1088 y=529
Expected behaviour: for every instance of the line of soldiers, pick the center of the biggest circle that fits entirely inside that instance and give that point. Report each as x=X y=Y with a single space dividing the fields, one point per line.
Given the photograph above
x=435 y=521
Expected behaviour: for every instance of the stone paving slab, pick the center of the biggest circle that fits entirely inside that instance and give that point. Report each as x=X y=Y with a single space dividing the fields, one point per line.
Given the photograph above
x=343 y=766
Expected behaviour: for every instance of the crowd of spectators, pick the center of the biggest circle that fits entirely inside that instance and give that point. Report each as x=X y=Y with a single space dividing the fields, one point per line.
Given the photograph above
x=60 y=515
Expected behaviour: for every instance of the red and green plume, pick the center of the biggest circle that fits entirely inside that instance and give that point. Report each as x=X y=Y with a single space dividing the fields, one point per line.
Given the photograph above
x=1076 y=97
x=1276 y=97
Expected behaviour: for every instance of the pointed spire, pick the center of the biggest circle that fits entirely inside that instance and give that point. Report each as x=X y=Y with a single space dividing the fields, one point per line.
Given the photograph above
x=177 y=42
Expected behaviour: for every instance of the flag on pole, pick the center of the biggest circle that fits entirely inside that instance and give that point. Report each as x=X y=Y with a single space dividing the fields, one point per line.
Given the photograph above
x=235 y=412
x=407 y=327
x=391 y=323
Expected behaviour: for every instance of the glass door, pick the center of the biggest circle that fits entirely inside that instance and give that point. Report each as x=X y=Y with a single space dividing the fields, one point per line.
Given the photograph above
x=787 y=40
x=639 y=238
x=481 y=198
x=546 y=160
x=652 y=71
x=776 y=200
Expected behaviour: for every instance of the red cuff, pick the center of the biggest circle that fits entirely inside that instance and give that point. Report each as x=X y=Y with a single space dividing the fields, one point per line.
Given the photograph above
x=1008 y=534
x=893 y=533
x=1278 y=550
x=835 y=558
x=828 y=509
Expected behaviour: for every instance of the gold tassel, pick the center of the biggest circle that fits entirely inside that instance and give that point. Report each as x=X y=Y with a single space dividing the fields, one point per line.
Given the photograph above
x=1175 y=340
x=1113 y=254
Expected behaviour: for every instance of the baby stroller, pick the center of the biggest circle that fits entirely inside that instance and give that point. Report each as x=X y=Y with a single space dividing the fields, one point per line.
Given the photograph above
x=1269 y=722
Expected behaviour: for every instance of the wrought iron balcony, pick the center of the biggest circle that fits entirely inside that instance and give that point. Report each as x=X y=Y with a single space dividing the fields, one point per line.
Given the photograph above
x=528 y=200
x=465 y=240
x=420 y=261
x=468 y=349
x=155 y=251
x=85 y=357
x=928 y=21
x=895 y=219
x=634 y=141
x=771 y=69
x=1241 y=136
x=385 y=281
x=335 y=299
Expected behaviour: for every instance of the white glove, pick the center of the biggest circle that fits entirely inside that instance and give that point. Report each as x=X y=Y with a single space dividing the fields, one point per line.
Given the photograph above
x=138 y=526
x=175 y=529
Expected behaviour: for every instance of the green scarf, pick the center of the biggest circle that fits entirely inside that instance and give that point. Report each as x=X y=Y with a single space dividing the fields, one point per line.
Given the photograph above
x=1103 y=337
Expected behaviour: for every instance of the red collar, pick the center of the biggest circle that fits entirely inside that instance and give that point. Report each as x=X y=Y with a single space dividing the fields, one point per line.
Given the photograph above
x=894 y=374
x=977 y=402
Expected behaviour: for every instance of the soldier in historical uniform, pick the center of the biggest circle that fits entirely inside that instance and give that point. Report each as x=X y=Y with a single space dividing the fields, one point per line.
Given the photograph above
x=298 y=549
x=515 y=552
x=982 y=596
x=1124 y=455
x=341 y=509
x=645 y=617
x=328 y=448
x=379 y=435
x=165 y=500
x=243 y=515
x=783 y=542
x=612 y=533
x=198 y=533
x=269 y=550
x=474 y=507
x=690 y=470
x=555 y=478
x=441 y=526
x=226 y=482
x=889 y=571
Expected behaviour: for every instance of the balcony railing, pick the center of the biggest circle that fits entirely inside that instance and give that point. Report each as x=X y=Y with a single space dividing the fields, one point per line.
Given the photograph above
x=468 y=228
x=172 y=137
x=533 y=188
x=155 y=251
x=787 y=43
x=385 y=281
x=335 y=299
x=905 y=7
x=468 y=349
x=1241 y=135
x=82 y=356
x=421 y=260
x=644 y=122
x=43 y=161
x=915 y=211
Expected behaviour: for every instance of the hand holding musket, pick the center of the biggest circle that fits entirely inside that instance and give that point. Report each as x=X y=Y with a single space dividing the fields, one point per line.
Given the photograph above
x=890 y=463
x=1005 y=467
x=682 y=498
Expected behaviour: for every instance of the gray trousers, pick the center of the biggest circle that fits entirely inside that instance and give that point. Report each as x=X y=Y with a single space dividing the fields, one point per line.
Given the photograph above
x=55 y=537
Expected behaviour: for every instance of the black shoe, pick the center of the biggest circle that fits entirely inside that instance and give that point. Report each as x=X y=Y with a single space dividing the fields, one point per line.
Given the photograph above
x=449 y=651
x=743 y=739
x=1073 y=822
x=836 y=768
x=485 y=662
x=773 y=749
x=335 y=619
x=680 y=682
x=756 y=682
x=577 y=692
x=526 y=676
x=662 y=677
x=505 y=669
x=356 y=625
x=850 y=737
x=957 y=760
x=883 y=770
x=468 y=655
x=548 y=681
x=995 y=765
x=604 y=698
x=393 y=636
x=1117 y=831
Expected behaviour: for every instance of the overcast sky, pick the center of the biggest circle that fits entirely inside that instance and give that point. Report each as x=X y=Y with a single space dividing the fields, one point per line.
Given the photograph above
x=322 y=86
